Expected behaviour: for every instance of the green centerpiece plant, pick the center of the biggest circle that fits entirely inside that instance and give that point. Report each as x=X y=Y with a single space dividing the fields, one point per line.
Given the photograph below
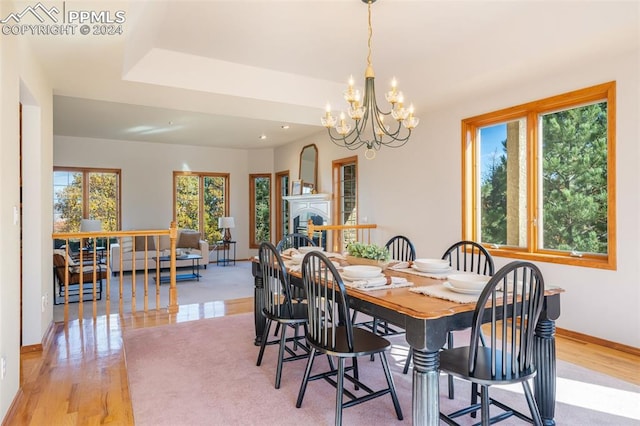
x=367 y=254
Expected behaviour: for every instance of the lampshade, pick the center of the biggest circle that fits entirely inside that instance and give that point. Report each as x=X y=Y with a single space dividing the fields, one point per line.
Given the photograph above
x=90 y=225
x=226 y=222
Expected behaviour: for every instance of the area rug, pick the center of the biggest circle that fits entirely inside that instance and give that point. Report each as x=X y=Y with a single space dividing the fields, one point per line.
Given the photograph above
x=204 y=373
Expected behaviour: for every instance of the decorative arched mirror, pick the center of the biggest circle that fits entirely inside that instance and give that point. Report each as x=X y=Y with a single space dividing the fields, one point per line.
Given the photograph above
x=309 y=168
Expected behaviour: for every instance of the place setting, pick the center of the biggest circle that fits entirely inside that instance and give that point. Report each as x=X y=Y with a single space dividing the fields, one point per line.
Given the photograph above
x=430 y=268
x=367 y=278
x=463 y=287
x=293 y=257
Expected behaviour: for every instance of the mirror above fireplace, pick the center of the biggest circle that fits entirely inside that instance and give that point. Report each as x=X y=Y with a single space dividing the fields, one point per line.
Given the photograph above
x=309 y=167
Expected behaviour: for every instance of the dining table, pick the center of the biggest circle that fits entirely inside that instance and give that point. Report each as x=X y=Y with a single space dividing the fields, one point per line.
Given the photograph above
x=427 y=320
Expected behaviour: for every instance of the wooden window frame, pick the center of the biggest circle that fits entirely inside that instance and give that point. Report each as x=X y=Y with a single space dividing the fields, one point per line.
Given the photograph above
x=85 y=188
x=336 y=167
x=252 y=207
x=280 y=214
x=531 y=111
x=201 y=176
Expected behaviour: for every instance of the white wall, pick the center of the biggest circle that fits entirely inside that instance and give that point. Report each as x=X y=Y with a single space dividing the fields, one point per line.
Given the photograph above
x=147 y=173
x=10 y=232
x=22 y=81
x=416 y=190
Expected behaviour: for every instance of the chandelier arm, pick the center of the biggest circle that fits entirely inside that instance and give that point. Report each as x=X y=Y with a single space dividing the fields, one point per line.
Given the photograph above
x=343 y=141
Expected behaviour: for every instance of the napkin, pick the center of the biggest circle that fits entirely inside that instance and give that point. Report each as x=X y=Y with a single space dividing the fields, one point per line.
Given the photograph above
x=367 y=283
x=400 y=265
x=378 y=283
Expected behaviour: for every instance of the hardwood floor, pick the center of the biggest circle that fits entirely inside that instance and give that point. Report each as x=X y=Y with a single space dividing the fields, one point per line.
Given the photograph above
x=81 y=377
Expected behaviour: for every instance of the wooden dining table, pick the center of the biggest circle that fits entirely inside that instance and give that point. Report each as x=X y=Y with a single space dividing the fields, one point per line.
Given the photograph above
x=427 y=321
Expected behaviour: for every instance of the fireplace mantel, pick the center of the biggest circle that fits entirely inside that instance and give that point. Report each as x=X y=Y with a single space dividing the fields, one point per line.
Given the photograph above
x=307 y=205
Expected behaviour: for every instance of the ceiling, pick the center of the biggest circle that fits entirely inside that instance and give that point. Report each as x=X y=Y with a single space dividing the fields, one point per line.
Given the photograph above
x=223 y=73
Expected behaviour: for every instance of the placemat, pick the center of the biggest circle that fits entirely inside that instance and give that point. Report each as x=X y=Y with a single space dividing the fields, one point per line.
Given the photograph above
x=441 y=276
x=442 y=292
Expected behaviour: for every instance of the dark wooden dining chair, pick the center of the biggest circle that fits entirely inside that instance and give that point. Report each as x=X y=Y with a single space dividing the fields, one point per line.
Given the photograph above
x=466 y=256
x=401 y=249
x=507 y=355
x=278 y=308
x=469 y=256
x=331 y=332
x=294 y=240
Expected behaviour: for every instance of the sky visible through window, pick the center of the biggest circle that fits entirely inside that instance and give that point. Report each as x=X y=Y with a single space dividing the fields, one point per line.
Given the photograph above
x=491 y=139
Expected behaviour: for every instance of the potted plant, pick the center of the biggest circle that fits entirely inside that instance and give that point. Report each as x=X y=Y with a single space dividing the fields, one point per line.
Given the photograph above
x=367 y=254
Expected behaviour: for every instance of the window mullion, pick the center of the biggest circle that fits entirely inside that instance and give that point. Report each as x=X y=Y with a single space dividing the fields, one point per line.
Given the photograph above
x=534 y=166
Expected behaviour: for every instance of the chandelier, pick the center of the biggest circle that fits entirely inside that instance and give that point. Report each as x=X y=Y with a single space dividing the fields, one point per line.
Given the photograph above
x=369 y=127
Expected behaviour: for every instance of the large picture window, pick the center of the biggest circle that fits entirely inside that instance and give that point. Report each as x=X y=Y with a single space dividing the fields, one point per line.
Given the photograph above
x=85 y=193
x=199 y=200
x=259 y=209
x=539 y=179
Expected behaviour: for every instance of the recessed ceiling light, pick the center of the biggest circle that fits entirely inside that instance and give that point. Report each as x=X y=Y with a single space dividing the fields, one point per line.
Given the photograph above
x=263 y=137
x=284 y=126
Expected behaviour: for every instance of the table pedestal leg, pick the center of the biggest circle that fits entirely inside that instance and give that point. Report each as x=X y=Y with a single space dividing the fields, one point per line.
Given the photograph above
x=259 y=319
x=545 y=381
x=426 y=403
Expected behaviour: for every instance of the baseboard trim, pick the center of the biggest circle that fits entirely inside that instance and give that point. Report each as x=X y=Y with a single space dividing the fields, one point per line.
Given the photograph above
x=46 y=341
x=13 y=408
x=598 y=341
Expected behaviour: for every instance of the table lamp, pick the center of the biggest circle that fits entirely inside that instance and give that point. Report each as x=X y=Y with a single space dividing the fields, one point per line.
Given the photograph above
x=226 y=223
x=90 y=225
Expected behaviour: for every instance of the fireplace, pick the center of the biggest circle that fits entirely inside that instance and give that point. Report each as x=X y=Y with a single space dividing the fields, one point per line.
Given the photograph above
x=302 y=208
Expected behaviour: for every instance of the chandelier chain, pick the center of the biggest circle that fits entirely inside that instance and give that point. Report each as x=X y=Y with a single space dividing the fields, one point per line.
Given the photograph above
x=370 y=35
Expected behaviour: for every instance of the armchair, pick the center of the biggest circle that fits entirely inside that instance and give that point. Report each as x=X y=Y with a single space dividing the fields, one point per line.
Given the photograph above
x=89 y=278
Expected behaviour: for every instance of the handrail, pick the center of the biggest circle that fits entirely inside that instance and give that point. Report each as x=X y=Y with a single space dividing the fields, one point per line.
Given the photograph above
x=90 y=258
x=359 y=231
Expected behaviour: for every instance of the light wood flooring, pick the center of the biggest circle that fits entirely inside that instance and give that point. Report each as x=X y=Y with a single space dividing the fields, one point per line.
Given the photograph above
x=81 y=377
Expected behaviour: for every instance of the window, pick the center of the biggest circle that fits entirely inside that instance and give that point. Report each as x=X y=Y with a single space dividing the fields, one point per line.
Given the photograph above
x=345 y=189
x=539 y=179
x=259 y=209
x=199 y=200
x=83 y=193
x=282 y=212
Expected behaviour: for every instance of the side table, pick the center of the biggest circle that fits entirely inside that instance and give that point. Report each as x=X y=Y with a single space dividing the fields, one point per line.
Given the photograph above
x=226 y=258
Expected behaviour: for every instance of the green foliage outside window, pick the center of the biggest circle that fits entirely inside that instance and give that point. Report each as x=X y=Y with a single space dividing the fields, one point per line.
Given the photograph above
x=262 y=209
x=575 y=179
x=574 y=183
x=69 y=204
x=189 y=212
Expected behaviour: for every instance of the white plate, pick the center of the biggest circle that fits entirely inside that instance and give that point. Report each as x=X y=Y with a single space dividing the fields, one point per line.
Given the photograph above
x=432 y=271
x=432 y=264
x=448 y=285
x=348 y=277
x=362 y=271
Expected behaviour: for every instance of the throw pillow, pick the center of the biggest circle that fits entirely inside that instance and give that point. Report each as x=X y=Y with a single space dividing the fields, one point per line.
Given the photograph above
x=140 y=243
x=62 y=253
x=126 y=244
x=189 y=239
